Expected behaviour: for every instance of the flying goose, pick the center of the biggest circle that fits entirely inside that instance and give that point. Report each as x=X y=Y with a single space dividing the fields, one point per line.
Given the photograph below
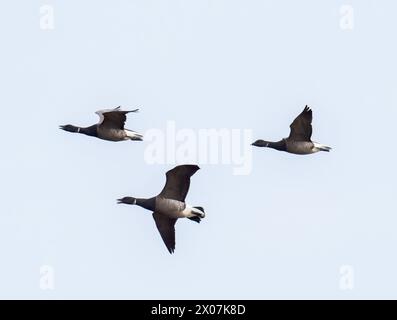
x=110 y=126
x=170 y=204
x=299 y=140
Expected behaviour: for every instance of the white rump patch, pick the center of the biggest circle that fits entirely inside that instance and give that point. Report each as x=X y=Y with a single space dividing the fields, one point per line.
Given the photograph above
x=321 y=146
x=133 y=135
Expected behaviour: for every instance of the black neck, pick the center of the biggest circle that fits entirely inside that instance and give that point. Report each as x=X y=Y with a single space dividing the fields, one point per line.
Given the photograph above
x=149 y=204
x=89 y=131
x=279 y=145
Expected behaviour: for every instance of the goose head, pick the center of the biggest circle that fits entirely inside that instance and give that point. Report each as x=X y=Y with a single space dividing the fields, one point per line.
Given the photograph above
x=127 y=200
x=69 y=128
x=260 y=143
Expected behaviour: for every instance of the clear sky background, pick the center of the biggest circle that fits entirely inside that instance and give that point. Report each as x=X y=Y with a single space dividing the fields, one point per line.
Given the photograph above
x=284 y=231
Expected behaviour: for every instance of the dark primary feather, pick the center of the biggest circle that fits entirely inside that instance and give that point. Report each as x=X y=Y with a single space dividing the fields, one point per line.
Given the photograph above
x=166 y=227
x=115 y=118
x=178 y=182
x=301 y=127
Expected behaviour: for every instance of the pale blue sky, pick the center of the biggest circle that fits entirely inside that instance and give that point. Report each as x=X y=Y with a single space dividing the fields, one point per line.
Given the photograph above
x=281 y=232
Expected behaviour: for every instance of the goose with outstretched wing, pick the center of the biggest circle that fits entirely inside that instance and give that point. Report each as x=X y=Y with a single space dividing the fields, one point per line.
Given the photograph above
x=170 y=205
x=110 y=126
x=299 y=140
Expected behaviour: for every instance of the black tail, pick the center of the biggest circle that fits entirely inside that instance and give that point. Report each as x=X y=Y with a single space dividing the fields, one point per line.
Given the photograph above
x=200 y=208
x=199 y=216
x=136 y=139
x=195 y=219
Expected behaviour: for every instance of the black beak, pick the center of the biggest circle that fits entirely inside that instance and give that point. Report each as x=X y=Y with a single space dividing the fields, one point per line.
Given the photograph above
x=120 y=201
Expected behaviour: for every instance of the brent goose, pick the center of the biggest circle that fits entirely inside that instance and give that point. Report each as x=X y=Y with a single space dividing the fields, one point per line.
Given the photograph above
x=299 y=140
x=170 y=204
x=110 y=126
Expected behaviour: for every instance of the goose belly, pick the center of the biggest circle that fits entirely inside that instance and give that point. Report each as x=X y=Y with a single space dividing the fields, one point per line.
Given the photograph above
x=111 y=134
x=301 y=147
x=172 y=208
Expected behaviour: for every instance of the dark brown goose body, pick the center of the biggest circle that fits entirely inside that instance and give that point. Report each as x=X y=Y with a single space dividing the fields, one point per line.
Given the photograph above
x=110 y=126
x=299 y=140
x=170 y=204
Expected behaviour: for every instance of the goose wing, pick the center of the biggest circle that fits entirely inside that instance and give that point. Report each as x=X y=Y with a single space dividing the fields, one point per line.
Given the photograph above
x=166 y=227
x=178 y=182
x=113 y=118
x=301 y=127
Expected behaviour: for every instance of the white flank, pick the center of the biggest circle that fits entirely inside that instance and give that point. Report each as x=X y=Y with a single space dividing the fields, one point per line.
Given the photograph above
x=321 y=146
x=192 y=212
x=133 y=135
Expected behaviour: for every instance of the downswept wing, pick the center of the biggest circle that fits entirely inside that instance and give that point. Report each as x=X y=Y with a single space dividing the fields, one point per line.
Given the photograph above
x=113 y=118
x=301 y=127
x=178 y=182
x=166 y=227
